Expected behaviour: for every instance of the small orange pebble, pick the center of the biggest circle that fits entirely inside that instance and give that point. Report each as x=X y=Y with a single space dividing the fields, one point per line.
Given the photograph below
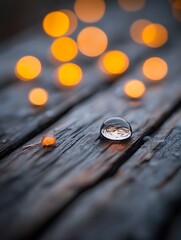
x=48 y=140
x=134 y=89
x=38 y=96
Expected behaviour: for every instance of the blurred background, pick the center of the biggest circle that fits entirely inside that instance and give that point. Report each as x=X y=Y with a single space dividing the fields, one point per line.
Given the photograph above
x=28 y=28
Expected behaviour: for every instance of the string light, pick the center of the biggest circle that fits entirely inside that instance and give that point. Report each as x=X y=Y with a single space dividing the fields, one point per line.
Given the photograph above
x=134 y=89
x=90 y=11
x=72 y=21
x=155 y=35
x=56 y=24
x=38 y=96
x=176 y=9
x=114 y=62
x=155 y=68
x=64 y=49
x=28 y=68
x=136 y=29
x=131 y=5
x=92 y=41
x=69 y=74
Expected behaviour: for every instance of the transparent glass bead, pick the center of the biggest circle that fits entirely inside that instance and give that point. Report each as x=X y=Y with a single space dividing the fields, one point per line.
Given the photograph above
x=116 y=128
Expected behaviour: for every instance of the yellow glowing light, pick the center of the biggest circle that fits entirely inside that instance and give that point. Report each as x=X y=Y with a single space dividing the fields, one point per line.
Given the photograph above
x=72 y=21
x=38 y=96
x=132 y=5
x=136 y=29
x=48 y=140
x=56 y=23
x=64 y=49
x=92 y=41
x=69 y=74
x=114 y=62
x=155 y=35
x=155 y=68
x=28 y=68
x=134 y=89
x=90 y=10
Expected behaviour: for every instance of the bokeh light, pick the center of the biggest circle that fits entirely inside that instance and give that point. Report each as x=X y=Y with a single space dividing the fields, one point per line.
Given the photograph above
x=155 y=35
x=64 y=49
x=28 y=68
x=136 y=30
x=92 y=41
x=155 y=68
x=176 y=9
x=69 y=74
x=56 y=24
x=48 y=140
x=38 y=96
x=176 y=4
x=73 y=22
x=89 y=11
x=114 y=62
x=131 y=5
x=134 y=89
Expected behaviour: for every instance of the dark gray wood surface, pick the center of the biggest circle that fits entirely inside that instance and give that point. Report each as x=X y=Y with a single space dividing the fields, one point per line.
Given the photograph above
x=47 y=180
x=85 y=187
x=141 y=201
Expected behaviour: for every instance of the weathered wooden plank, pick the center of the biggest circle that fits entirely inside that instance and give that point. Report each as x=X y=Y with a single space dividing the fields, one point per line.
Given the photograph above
x=27 y=121
x=140 y=202
x=37 y=183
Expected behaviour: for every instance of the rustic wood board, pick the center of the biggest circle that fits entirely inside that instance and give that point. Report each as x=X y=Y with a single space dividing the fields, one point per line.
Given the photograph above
x=34 y=178
x=140 y=202
x=43 y=190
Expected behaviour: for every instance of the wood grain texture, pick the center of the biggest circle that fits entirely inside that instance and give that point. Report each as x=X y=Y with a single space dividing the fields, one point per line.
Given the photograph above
x=42 y=190
x=38 y=183
x=139 y=203
x=19 y=120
